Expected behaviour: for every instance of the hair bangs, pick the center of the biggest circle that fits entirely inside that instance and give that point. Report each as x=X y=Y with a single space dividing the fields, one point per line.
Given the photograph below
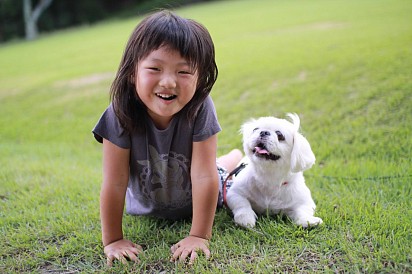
x=176 y=33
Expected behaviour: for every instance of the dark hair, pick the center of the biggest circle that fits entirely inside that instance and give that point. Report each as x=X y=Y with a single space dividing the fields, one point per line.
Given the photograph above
x=163 y=28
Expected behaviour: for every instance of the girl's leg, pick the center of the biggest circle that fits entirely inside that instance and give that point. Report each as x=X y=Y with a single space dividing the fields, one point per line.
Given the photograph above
x=231 y=160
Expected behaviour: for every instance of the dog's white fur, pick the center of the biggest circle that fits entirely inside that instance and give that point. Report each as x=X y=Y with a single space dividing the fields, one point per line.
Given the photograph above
x=272 y=180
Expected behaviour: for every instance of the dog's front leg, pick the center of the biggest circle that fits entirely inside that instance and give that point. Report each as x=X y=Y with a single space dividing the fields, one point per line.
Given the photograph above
x=303 y=216
x=242 y=210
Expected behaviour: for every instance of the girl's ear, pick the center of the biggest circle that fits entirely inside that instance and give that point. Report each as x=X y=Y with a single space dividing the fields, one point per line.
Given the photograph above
x=132 y=78
x=302 y=157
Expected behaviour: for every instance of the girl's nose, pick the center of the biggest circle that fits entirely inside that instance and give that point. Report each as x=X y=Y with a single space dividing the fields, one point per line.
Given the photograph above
x=168 y=81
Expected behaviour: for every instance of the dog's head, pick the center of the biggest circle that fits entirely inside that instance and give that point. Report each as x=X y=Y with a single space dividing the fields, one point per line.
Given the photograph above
x=272 y=140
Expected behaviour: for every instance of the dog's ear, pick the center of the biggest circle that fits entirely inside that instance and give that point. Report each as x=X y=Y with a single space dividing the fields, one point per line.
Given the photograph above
x=302 y=157
x=247 y=127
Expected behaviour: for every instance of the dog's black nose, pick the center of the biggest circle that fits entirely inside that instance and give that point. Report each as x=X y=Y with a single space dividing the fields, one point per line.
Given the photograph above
x=264 y=133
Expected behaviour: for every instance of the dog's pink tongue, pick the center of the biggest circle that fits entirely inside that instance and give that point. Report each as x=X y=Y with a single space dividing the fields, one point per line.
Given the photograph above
x=261 y=150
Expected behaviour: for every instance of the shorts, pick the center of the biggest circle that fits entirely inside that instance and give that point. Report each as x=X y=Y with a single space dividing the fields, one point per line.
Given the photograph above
x=223 y=174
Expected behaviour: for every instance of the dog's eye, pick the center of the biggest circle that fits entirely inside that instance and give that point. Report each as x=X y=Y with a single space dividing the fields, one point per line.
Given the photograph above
x=281 y=137
x=255 y=129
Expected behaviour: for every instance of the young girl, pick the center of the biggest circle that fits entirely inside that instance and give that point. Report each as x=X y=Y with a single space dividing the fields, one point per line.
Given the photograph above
x=159 y=136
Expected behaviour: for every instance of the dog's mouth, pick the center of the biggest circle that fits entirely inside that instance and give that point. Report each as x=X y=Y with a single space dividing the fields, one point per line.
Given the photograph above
x=261 y=151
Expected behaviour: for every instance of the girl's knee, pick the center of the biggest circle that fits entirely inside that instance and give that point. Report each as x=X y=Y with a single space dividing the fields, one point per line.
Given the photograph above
x=236 y=154
x=230 y=160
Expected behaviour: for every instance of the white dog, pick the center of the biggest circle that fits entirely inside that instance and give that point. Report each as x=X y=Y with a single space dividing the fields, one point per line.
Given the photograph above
x=272 y=180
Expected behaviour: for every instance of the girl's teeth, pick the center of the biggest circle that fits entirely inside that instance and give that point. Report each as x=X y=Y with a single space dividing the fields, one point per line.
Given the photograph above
x=166 y=96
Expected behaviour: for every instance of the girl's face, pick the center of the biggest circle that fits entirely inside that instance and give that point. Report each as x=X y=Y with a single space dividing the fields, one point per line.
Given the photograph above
x=165 y=82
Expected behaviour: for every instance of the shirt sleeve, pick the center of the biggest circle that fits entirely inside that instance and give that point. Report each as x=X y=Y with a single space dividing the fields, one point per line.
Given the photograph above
x=108 y=127
x=206 y=123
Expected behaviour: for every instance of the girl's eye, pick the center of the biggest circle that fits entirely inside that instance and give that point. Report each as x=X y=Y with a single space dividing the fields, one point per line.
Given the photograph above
x=185 y=72
x=153 y=68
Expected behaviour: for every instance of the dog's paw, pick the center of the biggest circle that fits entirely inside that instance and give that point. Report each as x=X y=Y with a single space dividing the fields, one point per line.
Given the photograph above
x=247 y=220
x=309 y=221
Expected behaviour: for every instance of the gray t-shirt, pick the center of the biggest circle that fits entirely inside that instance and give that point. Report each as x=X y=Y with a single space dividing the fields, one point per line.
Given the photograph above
x=159 y=181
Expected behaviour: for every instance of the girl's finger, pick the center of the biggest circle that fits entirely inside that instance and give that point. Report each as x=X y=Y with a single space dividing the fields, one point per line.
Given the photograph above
x=176 y=254
x=206 y=251
x=184 y=255
x=193 y=257
x=173 y=248
x=131 y=255
x=121 y=258
x=109 y=261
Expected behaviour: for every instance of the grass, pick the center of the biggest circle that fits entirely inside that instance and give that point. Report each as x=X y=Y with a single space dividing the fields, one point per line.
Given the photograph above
x=343 y=66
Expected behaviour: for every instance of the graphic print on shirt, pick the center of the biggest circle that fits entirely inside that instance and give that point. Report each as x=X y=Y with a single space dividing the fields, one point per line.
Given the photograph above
x=164 y=179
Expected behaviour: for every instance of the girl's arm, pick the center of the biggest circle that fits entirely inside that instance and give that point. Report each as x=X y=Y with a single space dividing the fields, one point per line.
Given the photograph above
x=112 y=197
x=205 y=187
x=205 y=191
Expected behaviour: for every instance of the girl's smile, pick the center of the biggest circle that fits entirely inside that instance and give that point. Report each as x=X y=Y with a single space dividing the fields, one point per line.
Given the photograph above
x=165 y=82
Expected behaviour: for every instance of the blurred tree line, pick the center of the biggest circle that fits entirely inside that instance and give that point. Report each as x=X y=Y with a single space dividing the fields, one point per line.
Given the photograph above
x=60 y=14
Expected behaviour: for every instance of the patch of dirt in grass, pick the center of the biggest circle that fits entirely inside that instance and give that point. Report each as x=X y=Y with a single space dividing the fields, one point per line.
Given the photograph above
x=87 y=80
x=301 y=77
x=322 y=26
x=79 y=88
x=317 y=26
x=49 y=268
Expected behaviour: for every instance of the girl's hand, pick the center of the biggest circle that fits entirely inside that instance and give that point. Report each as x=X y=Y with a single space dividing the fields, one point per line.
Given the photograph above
x=122 y=250
x=189 y=246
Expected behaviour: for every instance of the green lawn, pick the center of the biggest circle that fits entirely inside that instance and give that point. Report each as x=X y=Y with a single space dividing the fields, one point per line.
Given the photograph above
x=344 y=66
